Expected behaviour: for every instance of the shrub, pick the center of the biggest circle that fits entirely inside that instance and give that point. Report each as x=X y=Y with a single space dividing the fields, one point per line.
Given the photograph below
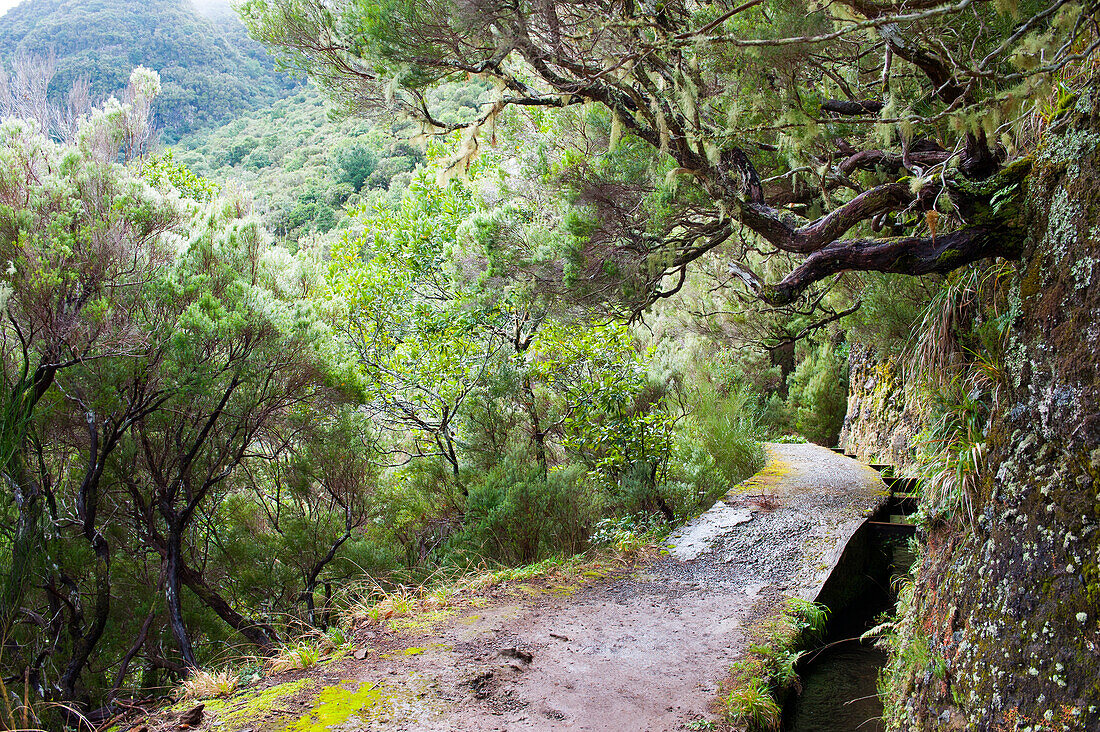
x=818 y=396
x=728 y=426
x=356 y=162
x=514 y=513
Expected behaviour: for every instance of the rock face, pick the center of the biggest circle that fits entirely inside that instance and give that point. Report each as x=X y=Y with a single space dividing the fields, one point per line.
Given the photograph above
x=1004 y=622
x=882 y=419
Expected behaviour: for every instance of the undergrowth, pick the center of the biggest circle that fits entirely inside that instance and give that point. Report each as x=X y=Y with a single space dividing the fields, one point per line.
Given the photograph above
x=405 y=606
x=762 y=677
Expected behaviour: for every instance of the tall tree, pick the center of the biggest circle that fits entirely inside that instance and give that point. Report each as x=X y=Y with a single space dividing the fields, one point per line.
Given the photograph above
x=81 y=238
x=846 y=136
x=240 y=360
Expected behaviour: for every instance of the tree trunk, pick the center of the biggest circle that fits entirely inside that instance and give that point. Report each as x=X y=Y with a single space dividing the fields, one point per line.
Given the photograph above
x=26 y=543
x=124 y=665
x=28 y=494
x=314 y=573
x=259 y=634
x=538 y=437
x=172 y=586
x=86 y=642
x=87 y=507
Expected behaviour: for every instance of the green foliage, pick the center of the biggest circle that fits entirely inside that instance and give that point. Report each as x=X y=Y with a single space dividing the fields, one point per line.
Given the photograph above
x=629 y=534
x=767 y=671
x=727 y=426
x=305 y=163
x=951 y=450
x=205 y=402
x=419 y=331
x=818 y=396
x=162 y=171
x=959 y=359
x=890 y=311
x=357 y=163
x=516 y=514
x=809 y=618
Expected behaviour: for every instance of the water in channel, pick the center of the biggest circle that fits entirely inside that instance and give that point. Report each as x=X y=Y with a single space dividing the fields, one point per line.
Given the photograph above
x=839 y=680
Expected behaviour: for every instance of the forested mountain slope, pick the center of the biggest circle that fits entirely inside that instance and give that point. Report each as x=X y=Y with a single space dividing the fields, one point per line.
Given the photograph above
x=210 y=70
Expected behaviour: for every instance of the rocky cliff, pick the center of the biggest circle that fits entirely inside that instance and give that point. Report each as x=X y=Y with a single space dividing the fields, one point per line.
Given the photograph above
x=1003 y=627
x=882 y=419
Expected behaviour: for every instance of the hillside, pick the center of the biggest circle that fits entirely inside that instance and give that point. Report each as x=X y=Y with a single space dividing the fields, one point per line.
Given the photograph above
x=305 y=164
x=210 y=69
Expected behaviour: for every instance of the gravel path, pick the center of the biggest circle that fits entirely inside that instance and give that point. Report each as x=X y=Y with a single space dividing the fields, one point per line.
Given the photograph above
x=643 y=651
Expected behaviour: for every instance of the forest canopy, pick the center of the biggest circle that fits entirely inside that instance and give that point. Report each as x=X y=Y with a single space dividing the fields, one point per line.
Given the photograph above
x=827 y=137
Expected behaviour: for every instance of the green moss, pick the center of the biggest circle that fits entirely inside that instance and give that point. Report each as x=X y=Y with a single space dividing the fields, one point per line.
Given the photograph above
x=245 y=709
x=422 y=621
x=337 y=705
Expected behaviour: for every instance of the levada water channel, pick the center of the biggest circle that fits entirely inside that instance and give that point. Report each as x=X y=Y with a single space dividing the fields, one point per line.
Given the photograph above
x=839 y=678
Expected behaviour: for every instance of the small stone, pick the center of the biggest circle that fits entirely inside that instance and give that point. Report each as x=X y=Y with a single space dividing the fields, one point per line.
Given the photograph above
x=1082 y=617
x=361 y=654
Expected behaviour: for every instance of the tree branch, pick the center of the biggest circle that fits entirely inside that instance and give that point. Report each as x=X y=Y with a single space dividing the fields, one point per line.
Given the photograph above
x=908 y=255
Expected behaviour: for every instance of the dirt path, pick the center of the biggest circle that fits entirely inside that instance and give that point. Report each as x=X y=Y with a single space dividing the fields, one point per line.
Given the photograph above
x=639 y=650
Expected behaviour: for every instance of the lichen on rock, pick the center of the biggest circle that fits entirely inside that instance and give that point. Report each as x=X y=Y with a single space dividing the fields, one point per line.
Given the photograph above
x=1003 y=628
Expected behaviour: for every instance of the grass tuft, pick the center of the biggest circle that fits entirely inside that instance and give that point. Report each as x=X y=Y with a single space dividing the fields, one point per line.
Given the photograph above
x=767 y=671
x=203 y=684
x=303 y=654
x=753 y=705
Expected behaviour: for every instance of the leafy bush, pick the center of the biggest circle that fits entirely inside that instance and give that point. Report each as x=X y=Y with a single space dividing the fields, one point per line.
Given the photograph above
x=301 y=655
x=818 y=396
x=514 y=513
x=356 y=162
x=628 y=534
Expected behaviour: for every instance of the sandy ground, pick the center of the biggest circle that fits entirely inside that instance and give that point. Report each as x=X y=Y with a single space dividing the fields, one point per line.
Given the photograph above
x=643 y=649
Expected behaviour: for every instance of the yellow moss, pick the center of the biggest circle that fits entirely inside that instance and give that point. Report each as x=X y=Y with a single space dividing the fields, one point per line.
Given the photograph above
x=773 y=472
x=337 y=705
x=423 y=621
x=244 y=709
x=415 y=651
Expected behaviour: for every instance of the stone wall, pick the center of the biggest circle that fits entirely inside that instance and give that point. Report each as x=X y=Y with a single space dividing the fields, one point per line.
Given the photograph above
x=882 y=419
x=1003 y=630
